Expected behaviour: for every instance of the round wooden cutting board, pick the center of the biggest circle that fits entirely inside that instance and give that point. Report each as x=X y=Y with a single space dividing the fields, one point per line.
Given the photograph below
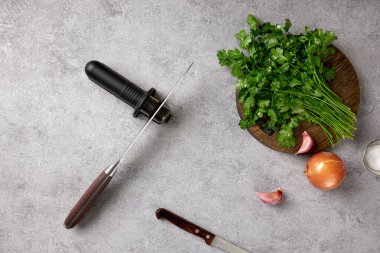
x=345 y=85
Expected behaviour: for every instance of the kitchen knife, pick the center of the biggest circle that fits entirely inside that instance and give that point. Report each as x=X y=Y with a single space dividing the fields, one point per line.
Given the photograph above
x=97 y=187
x=210 y=238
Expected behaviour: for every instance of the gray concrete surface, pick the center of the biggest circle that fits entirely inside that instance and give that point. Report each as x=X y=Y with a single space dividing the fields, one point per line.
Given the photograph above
x=58 y=130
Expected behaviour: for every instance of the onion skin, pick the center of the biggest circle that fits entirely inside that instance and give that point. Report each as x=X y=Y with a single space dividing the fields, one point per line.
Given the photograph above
x=325 y=171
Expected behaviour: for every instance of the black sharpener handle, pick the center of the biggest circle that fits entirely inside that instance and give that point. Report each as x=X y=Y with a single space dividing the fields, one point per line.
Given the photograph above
x=118 y=85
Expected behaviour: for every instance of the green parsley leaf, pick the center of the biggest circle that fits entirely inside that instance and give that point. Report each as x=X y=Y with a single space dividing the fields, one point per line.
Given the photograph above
x=281 y=80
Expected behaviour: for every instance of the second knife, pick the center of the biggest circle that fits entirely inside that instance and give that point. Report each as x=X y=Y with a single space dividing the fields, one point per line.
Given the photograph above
x=210 y=238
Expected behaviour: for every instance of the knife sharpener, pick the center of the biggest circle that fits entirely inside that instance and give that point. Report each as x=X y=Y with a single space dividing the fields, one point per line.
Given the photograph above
x=143 y=102
x=88 y=199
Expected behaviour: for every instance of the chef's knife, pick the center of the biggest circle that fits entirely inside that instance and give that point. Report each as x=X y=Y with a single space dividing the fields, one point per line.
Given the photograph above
x=210 y=238
x=97 y=187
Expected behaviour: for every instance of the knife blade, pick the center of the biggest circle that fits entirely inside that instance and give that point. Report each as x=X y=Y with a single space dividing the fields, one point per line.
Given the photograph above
x=226 y=245
x=94 y=191
x=154 y=114
x=210 y=238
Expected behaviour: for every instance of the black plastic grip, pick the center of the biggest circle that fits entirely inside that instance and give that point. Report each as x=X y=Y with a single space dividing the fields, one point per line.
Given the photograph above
x=144 y=102
x=118 y=85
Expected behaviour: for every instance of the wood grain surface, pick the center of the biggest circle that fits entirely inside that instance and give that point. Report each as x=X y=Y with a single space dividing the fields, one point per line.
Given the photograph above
x=345 y=85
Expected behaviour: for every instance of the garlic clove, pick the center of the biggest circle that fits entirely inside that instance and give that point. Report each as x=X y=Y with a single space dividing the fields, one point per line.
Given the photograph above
x=307 y=143
x=270 y=198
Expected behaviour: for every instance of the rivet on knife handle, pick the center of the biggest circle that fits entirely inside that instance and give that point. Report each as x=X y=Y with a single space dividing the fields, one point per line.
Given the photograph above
x=185 y=225
x=90 y=196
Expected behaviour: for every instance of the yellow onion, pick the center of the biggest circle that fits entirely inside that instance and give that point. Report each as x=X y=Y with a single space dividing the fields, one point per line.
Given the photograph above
x=325 y=171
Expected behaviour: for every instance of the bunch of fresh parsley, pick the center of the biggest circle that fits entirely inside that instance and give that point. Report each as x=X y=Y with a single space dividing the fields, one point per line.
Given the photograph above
x=282 y=81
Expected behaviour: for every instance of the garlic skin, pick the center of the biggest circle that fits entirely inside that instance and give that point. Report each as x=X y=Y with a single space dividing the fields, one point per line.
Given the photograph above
x=307 y=143
x=270 y=198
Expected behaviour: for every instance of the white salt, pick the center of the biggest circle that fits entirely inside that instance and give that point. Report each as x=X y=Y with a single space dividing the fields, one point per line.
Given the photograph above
x=372 y=157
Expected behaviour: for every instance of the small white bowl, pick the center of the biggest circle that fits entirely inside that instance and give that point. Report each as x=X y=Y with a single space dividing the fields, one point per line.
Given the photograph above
x=373 y=171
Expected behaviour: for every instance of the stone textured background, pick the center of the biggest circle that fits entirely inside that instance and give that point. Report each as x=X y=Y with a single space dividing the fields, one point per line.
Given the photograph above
x=58 y=130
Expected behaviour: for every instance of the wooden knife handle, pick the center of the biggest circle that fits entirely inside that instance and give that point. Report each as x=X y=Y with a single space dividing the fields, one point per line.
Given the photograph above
x=185 y=225
x=87 y=200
